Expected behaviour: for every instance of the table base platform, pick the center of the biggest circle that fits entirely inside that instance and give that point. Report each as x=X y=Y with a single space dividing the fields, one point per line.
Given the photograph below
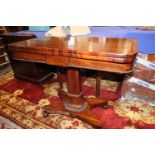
x=85 y=115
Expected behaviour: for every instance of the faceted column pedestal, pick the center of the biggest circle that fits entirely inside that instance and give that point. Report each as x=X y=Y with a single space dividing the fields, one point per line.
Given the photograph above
x=73 y=99
x=74 y=104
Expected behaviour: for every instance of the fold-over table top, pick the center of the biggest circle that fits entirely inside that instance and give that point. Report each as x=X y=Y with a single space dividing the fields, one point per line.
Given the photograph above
x=145 y=39
x=87 y=46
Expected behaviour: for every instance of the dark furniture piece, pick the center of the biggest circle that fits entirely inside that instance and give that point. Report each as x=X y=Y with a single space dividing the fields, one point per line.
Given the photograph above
x=16 y=28
x=27 y=70
x=103 y=54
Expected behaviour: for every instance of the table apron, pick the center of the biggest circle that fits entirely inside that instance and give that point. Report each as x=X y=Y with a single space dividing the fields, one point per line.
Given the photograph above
x=73 y=62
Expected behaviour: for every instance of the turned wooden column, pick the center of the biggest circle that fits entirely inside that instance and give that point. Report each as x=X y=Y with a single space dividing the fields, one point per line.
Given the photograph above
x=75 y=101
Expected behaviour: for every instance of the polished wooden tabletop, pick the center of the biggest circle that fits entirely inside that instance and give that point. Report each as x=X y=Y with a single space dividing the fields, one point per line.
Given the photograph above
x=91 y=46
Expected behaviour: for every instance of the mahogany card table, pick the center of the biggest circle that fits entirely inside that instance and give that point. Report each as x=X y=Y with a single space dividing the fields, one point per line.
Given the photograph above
x=114 y=55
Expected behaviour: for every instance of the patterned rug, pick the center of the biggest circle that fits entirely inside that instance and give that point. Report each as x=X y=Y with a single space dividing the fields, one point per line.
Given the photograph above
x=21 y=106
x=21 y=102
x=126 y=114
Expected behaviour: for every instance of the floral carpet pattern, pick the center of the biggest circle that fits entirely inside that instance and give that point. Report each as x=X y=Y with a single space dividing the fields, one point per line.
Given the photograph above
x=22 y=103
x=142 y=115
x=126 y=114
x=105 y=84
x=28 y=115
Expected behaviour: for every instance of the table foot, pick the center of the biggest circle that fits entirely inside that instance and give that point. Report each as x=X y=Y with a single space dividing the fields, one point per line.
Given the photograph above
x=72 y=102
x=75 y=108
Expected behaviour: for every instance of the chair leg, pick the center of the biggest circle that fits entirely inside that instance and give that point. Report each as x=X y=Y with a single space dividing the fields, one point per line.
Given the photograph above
x=59 y=78
x=98 y=83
